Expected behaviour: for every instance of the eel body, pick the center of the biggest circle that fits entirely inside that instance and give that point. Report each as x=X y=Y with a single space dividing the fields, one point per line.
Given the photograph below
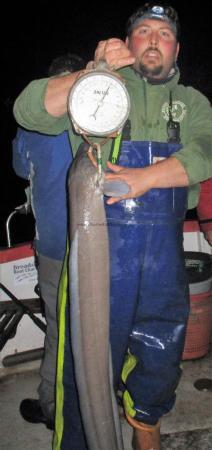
x=89 y=285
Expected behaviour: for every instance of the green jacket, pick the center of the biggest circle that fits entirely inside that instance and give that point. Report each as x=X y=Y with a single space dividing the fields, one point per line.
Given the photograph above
x=148 y=116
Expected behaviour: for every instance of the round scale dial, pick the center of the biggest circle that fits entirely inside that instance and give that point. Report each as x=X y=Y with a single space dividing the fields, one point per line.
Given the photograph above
x=98 y=103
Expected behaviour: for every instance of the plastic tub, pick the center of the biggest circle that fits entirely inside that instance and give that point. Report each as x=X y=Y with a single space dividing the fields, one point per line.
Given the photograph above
x=199 y=328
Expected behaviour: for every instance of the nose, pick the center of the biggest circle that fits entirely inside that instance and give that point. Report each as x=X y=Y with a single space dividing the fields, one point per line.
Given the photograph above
x=153 y=38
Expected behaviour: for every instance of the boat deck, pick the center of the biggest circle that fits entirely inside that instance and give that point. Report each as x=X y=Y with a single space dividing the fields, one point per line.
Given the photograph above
x=187 y=427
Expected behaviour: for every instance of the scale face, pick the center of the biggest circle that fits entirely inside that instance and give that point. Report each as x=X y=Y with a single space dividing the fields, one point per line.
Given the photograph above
x=98 y=103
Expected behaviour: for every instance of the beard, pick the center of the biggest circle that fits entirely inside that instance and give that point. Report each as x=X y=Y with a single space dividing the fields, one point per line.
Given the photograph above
x=146 y=71
x=156 y=70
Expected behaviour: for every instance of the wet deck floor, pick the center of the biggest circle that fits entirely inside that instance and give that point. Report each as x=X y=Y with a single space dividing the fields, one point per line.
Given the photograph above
x=187 y=427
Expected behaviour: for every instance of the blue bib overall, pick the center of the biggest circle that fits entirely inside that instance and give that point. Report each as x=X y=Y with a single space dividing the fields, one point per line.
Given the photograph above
x=149 y=303
x=149 y=290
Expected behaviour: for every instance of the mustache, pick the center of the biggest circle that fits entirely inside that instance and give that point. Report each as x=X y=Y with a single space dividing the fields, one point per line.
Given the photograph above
x=149 y=49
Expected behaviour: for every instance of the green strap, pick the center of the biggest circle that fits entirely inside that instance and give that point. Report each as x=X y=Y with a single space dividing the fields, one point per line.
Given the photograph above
x=115 y=149
x=125 y=135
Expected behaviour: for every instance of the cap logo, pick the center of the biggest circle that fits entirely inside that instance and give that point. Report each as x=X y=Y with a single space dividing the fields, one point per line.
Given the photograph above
x=158 y=10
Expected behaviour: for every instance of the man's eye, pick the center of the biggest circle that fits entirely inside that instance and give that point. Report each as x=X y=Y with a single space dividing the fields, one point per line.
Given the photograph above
x=166 y=35
x=143 y=31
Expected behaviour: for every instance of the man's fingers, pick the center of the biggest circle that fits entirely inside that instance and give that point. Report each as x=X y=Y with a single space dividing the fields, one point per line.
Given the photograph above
x=114 y=167
x=113 y=200
x=115 y=52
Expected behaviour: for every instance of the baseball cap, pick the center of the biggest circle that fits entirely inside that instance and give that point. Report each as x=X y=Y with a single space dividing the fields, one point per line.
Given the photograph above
x=154 y=10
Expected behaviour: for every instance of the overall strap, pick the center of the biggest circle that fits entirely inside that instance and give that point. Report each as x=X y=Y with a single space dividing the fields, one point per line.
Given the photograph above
x=116 y=143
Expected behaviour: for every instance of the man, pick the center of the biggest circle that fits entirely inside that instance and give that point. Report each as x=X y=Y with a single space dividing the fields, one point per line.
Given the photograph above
x=169 y=125
x=45 y=160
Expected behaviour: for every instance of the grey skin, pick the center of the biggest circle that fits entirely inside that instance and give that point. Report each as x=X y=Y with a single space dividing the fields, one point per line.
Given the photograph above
x=89 y=292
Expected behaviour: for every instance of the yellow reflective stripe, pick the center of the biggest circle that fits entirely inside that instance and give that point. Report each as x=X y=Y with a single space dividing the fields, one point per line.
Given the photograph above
x=62 y=301
x=116 y=148
x=128 y=404
x=129 y=365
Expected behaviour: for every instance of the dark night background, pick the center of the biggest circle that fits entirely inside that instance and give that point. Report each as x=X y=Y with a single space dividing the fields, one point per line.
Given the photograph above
x=36 y=32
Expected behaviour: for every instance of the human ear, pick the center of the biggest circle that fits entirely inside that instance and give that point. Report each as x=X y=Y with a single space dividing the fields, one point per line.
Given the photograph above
x=127 y=42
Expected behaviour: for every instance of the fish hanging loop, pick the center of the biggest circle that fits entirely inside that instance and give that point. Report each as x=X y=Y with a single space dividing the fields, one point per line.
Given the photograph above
x=96 y=160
